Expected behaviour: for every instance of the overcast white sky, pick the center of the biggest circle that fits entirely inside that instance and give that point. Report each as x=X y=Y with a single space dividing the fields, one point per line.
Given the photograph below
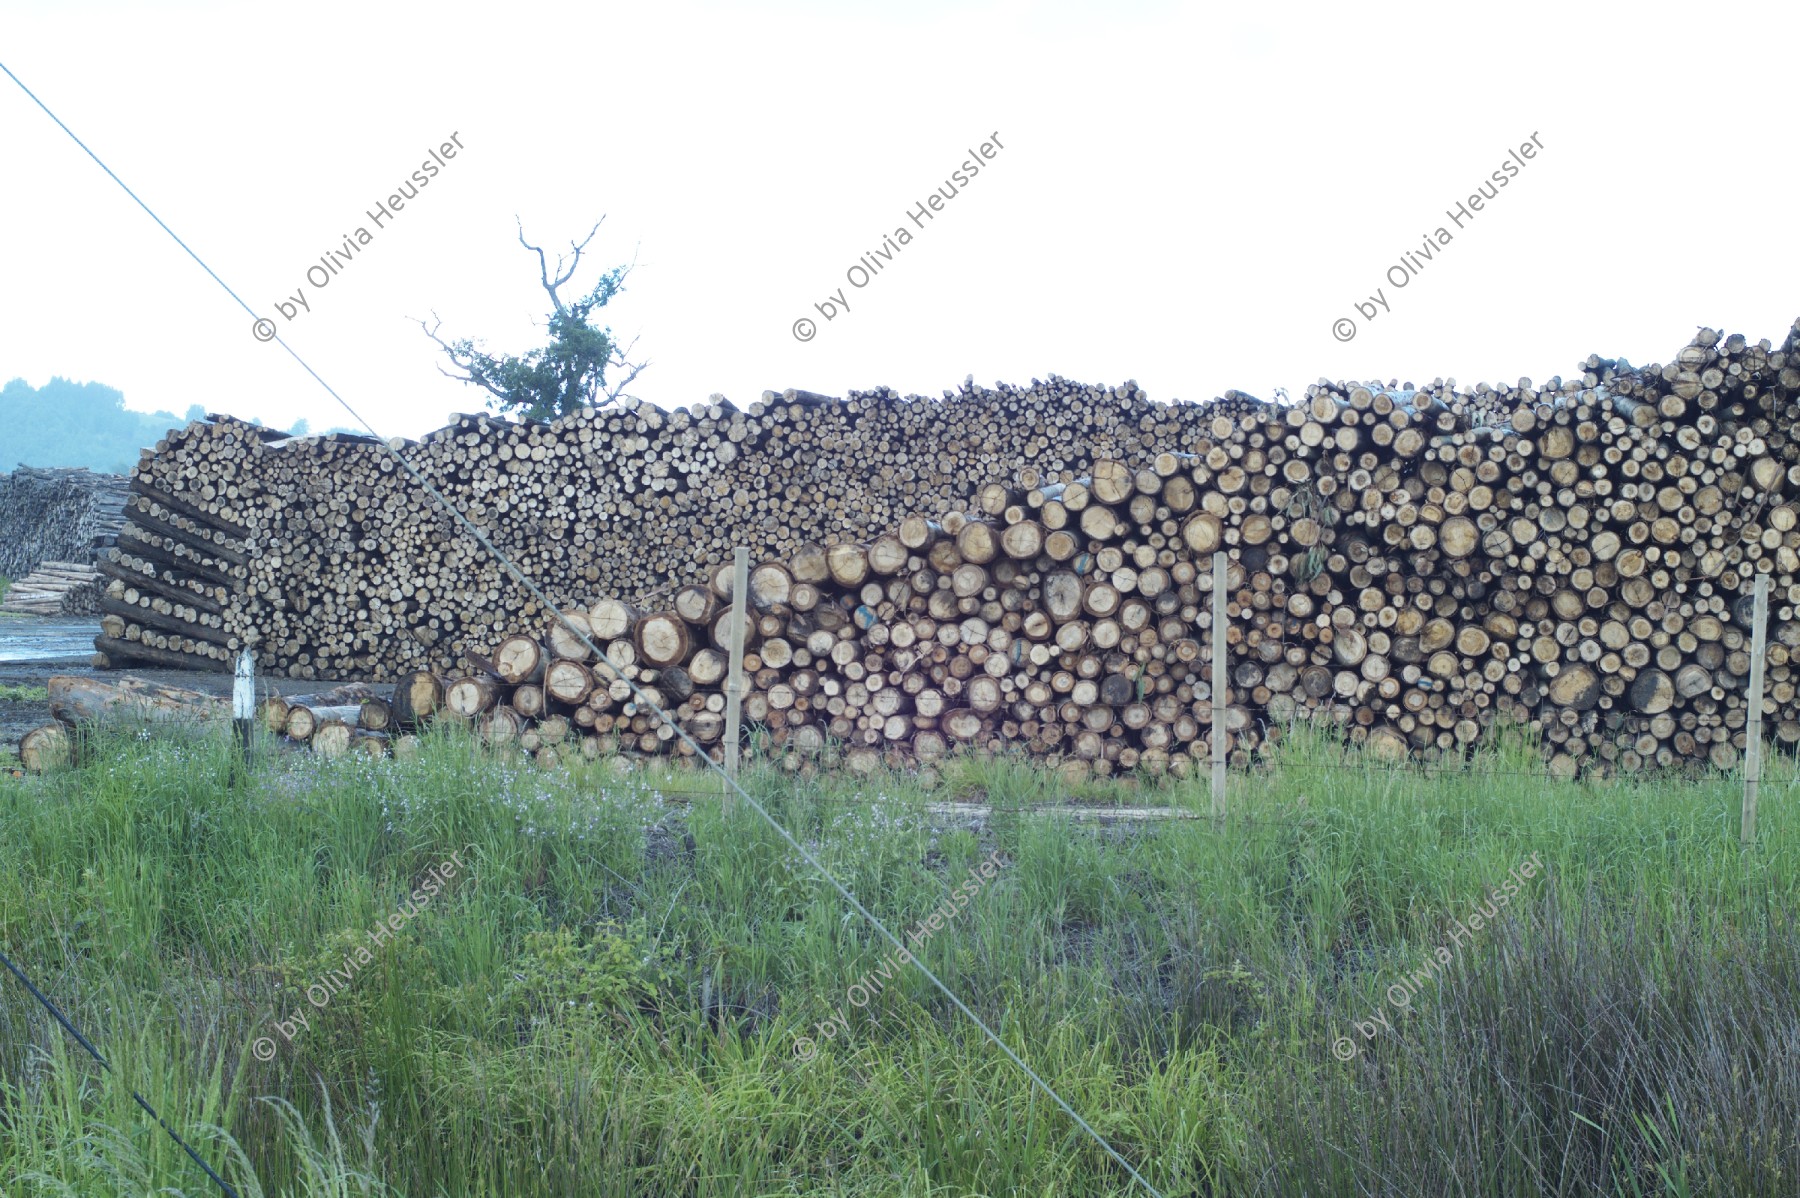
x=1188 y=194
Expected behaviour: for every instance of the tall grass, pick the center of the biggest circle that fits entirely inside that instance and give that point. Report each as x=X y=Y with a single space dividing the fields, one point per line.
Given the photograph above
x=612 y=999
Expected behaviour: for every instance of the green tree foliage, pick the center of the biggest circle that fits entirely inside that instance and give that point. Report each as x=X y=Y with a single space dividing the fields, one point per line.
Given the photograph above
x=569 y=372
x=65 y=423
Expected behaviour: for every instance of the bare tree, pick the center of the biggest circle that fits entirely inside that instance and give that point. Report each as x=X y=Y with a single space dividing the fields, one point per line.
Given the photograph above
x=568 y=373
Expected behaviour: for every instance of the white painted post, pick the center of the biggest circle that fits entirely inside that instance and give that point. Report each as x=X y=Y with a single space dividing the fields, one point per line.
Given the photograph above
x=1753 y=725
x=1218 y=684
x=734 y=678
x=243 y=704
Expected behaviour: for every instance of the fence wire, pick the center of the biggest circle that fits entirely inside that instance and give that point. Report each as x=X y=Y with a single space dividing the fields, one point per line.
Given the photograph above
x=582 y=637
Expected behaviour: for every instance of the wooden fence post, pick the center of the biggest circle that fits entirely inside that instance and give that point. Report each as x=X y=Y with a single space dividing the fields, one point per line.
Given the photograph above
x=1753 y=725
x=734 y=678
x=1218 y=684
x=243 y=705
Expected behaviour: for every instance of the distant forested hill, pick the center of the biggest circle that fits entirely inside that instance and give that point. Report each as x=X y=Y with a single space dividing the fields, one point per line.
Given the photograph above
x=80 y=424
x=76 y=424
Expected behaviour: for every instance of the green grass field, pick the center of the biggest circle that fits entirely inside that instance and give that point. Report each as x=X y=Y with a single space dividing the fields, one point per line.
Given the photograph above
x=23 y=693
x=618 y=995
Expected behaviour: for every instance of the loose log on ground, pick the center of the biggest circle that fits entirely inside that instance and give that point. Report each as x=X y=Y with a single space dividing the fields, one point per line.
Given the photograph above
x=79 y=700
x=45 y=748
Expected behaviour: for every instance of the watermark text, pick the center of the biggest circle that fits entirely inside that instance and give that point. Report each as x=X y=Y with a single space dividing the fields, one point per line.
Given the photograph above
x=873 y=262
x=1412 y=262
x=320 y=274
x=864 y=989
x=1400 y=995
x=334 y=981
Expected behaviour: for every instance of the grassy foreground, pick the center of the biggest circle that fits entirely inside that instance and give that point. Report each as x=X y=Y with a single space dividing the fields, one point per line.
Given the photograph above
x=624 y=993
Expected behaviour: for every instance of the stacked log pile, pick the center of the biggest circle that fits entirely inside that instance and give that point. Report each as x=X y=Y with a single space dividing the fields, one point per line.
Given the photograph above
x=56 y=589
x=345 y=719
x=1009 y=626
x=56 y=516
x=1028 y=566
x=355 y=574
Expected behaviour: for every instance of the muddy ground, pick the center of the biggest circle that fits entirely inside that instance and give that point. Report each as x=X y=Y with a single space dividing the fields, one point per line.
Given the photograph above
x=32 y=648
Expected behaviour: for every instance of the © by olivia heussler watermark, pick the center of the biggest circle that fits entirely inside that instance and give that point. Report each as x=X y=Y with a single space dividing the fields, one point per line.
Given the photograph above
x=875 y=980
x=870 y=264
x=1412 y=262
x=320 y=992
x=1400 y=995
x=320 y=273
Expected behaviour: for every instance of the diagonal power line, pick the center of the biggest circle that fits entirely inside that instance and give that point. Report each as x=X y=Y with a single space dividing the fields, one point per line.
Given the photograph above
x=82 y=1040
x=523 y=580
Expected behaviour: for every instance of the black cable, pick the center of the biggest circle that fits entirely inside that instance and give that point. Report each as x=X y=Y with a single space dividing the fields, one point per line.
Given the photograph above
x=95 y=1053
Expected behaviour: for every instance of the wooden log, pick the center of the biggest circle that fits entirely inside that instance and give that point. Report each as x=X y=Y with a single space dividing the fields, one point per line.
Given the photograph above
x=849 y=564
x=331 y=738
x=467 y=698
x=417 y=697
x=304 y=720
x=272 y=713
x=374 y=715
x=520 y=660
x=978 y=542
x=500 y=726
x=963 y=725
x=371 y=743
x=887 y=555
x=75 y=700
x=695 y=604
x=771 y=586
x=611 y=619
x=568 y=635
x=529 y=701
x=1023 y=540
x=568 y=682
x=45 y=748
x=662 y=638
x=707 y=667
x=1653 y=692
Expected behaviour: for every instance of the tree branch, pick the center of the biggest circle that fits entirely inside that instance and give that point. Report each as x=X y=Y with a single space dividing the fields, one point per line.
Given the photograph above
x=621 y=358
x=552 y=286
x=543 y=266
x=564 y=276
x=457 y=355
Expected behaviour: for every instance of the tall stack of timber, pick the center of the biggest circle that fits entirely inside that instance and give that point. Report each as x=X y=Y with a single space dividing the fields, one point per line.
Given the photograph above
x=56 y=516
x=1409 y=562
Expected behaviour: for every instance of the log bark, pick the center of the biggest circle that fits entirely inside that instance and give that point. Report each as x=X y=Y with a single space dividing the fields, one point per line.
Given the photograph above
x=75 y=700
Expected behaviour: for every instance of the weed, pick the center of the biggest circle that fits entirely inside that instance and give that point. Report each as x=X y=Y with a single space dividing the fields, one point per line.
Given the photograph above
x=608 y=1002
